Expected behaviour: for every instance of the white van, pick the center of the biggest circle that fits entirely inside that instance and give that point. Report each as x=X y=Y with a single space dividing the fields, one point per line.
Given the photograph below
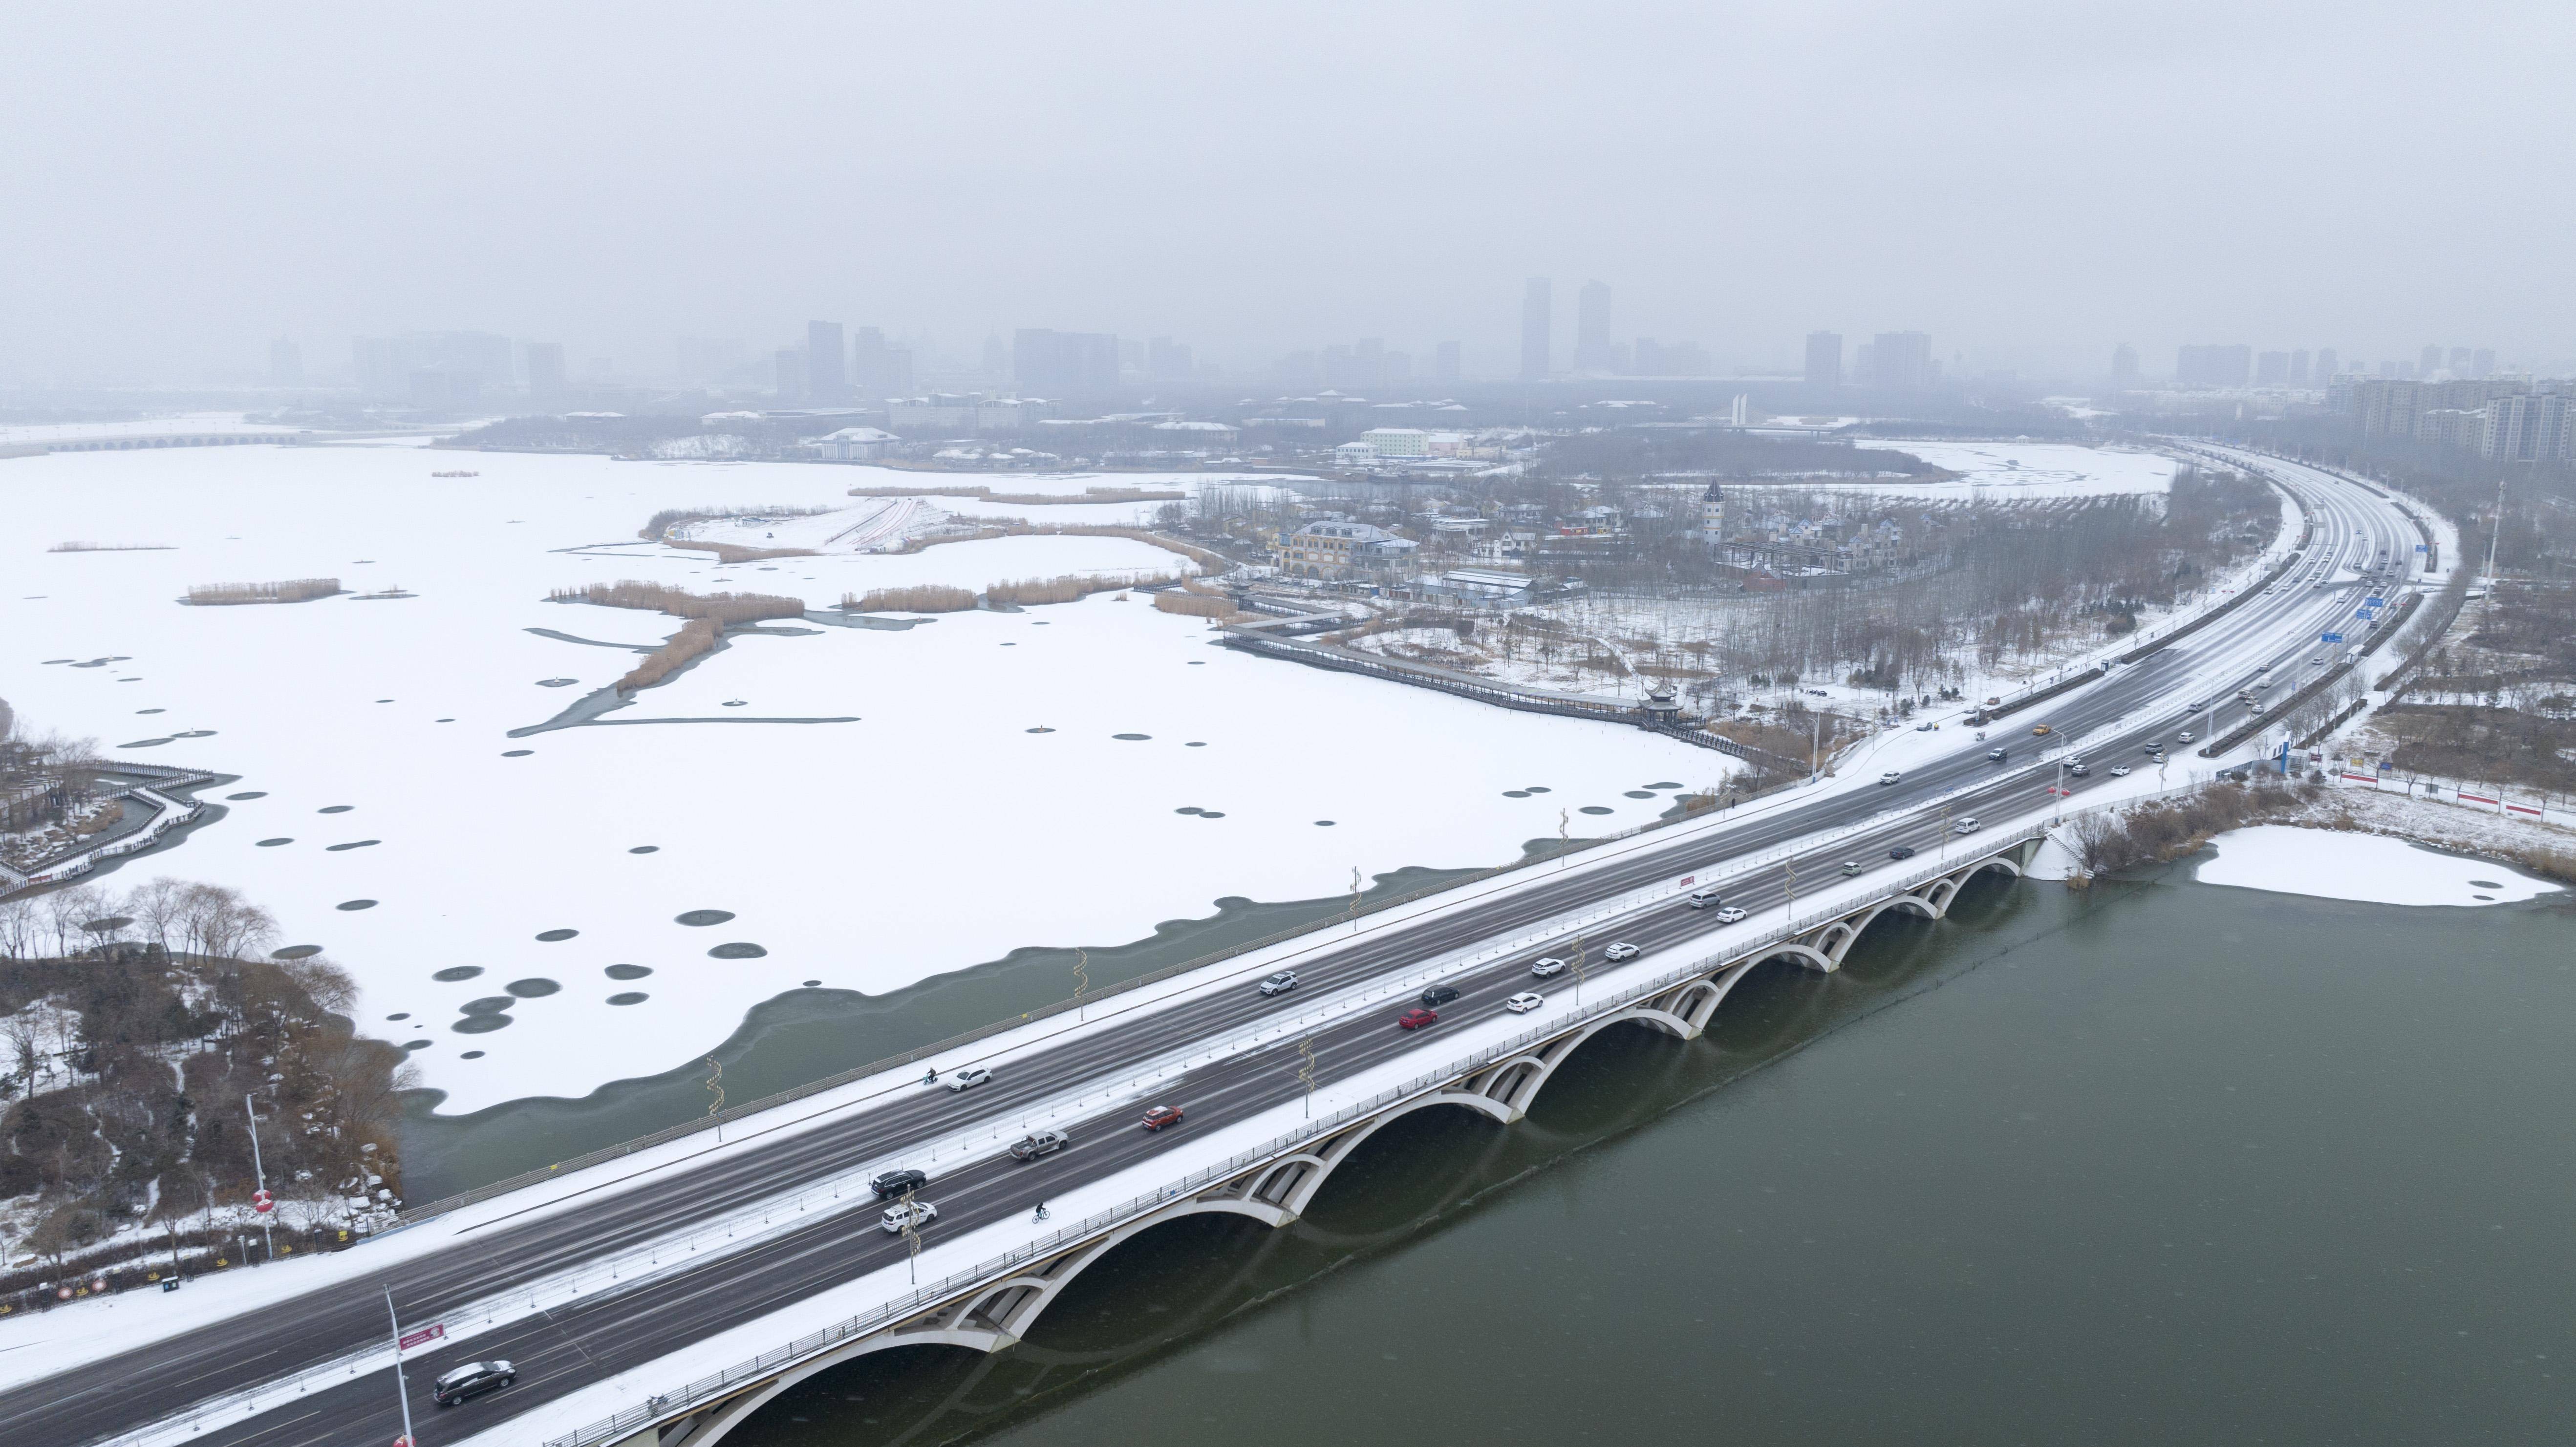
x=1968 y=825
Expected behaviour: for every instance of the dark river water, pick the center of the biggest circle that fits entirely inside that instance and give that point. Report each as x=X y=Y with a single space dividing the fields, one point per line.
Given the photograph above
x=2157 y=1163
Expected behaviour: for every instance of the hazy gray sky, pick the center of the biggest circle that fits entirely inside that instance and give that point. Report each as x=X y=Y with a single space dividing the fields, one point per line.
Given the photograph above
x=2029 y=182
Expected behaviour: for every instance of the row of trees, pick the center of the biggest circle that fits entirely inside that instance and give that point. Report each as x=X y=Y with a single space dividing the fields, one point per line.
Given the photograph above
x=133 y=1026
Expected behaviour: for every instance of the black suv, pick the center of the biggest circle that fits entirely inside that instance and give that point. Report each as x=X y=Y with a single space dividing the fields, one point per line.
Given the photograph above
x=895 y=1183
x=1437 y=996
x=473 y=1379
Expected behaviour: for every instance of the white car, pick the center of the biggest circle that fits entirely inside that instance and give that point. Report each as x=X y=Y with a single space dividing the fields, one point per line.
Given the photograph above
x=1968 y=825
x=2120 y=772
x=968 y=1078
x=2183 y=737
x=1889 y=777
x=1548 y=965
x=915 y=1214
x=1524 y=1002
x=1280 y=983
x=1730 y=915
x=1621 y=951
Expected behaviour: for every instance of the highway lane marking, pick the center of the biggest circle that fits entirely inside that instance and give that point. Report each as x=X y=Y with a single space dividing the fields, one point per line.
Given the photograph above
x=279 y=1426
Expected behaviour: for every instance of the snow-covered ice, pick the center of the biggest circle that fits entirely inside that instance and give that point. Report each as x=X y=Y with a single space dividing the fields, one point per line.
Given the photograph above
x=2026 y=471
x=2331 y=864
x=982 y=797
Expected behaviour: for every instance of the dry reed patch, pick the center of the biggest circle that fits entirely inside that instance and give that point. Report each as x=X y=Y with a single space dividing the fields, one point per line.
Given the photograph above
x=1037 y=592
x=724 y=608
x=736 y=552
x=925 y=598
x=82 y=547
x=1197 y=605
x=290 y=590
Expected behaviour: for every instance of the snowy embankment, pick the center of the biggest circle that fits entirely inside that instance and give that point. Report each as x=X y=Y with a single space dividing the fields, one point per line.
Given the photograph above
x=1041 y=758
x=1993 y=472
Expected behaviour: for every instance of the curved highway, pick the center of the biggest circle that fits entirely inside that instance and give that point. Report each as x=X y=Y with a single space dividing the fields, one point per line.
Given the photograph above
x=2359 y=544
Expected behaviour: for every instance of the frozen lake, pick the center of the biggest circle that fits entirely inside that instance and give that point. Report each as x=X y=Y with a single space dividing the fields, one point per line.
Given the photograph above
x=548 y=913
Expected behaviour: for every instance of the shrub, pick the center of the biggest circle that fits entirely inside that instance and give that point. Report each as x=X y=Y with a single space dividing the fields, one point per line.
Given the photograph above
x=724 y=608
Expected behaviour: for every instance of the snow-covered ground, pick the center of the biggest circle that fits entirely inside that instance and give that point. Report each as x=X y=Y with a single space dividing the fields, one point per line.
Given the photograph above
x=970 y=792
x=2330 y=864
x=2026 y=471
x=872 y=525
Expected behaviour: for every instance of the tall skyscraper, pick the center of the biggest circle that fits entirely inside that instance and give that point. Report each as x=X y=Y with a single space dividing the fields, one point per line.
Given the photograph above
x=2325 y=371
x=1537 y=316
x=1824 y=359
x=2430 y=362
x=827 y=364
x=285 y=364
x=1902 y=361
x=1592 y=328
x=545 y=371
x=2124 y=365
x=1444 y=363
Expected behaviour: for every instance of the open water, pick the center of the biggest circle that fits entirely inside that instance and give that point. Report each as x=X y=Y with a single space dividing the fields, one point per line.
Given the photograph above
x=2162 y=1162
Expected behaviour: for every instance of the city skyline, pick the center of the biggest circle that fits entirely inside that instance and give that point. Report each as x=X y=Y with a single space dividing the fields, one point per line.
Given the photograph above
x=621 y=206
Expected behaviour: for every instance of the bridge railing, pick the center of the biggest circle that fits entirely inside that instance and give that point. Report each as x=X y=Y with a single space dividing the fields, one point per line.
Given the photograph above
x=724 y=1383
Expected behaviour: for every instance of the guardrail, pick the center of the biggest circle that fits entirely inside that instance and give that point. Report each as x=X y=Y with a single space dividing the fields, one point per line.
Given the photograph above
x=725 y=1383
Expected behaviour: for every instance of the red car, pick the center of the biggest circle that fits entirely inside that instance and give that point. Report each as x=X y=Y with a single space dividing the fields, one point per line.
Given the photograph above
x=1161 y=1116
x=1416 y=1019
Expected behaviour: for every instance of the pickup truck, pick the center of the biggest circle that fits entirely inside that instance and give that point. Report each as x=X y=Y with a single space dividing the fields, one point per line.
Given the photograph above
x=1038 y=1143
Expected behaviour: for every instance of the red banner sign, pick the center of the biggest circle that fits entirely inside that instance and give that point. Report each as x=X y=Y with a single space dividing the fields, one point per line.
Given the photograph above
x=419 y=1334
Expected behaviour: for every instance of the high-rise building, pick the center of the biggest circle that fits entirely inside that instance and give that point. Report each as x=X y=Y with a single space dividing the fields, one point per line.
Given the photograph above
x=1537 y=316
x=1902 y=361
x=285 y=364
x=2124 y=365
x=879 y=370
x=2529 y=427
x=1824 y=359
x=1444 y=363
x=2272 y=369
x=2429 y=361
x=2299 y=367
x=2460 y=361
x=2325 y=371
x=2213 y=366
x=827 y=364
x=545 y=371
x=2482 y=362
x=1592 y=328
x=1065 y=364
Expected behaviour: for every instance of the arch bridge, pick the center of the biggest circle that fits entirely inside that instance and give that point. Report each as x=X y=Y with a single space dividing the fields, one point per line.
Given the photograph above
x=994 y=1314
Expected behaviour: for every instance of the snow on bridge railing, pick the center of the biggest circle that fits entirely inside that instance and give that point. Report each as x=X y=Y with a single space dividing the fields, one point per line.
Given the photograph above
x=704 y=1389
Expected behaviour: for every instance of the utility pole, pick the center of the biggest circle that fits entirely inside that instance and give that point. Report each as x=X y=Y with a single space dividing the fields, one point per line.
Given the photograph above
x=911 y=1238
x=259 y=1175
x=402 y=1396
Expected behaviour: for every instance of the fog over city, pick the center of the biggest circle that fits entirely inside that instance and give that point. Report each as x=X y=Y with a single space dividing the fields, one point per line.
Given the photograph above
x=2028 y=183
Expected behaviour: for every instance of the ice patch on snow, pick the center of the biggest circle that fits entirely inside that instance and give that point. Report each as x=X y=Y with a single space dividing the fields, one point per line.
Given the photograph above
x=2331 y=864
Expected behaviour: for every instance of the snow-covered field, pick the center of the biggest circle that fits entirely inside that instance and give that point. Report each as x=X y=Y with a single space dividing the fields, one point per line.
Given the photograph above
x=2335 y=865
x=2026 y=471
x=974 y=787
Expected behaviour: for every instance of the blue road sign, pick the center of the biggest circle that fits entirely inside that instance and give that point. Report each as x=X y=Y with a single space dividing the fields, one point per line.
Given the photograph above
x=2361 y=613
x=2419 y=547
x=2374 y=602
x=2330 y=638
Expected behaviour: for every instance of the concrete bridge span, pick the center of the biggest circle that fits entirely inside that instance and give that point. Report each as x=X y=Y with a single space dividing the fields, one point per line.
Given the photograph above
x=1277 y=1189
